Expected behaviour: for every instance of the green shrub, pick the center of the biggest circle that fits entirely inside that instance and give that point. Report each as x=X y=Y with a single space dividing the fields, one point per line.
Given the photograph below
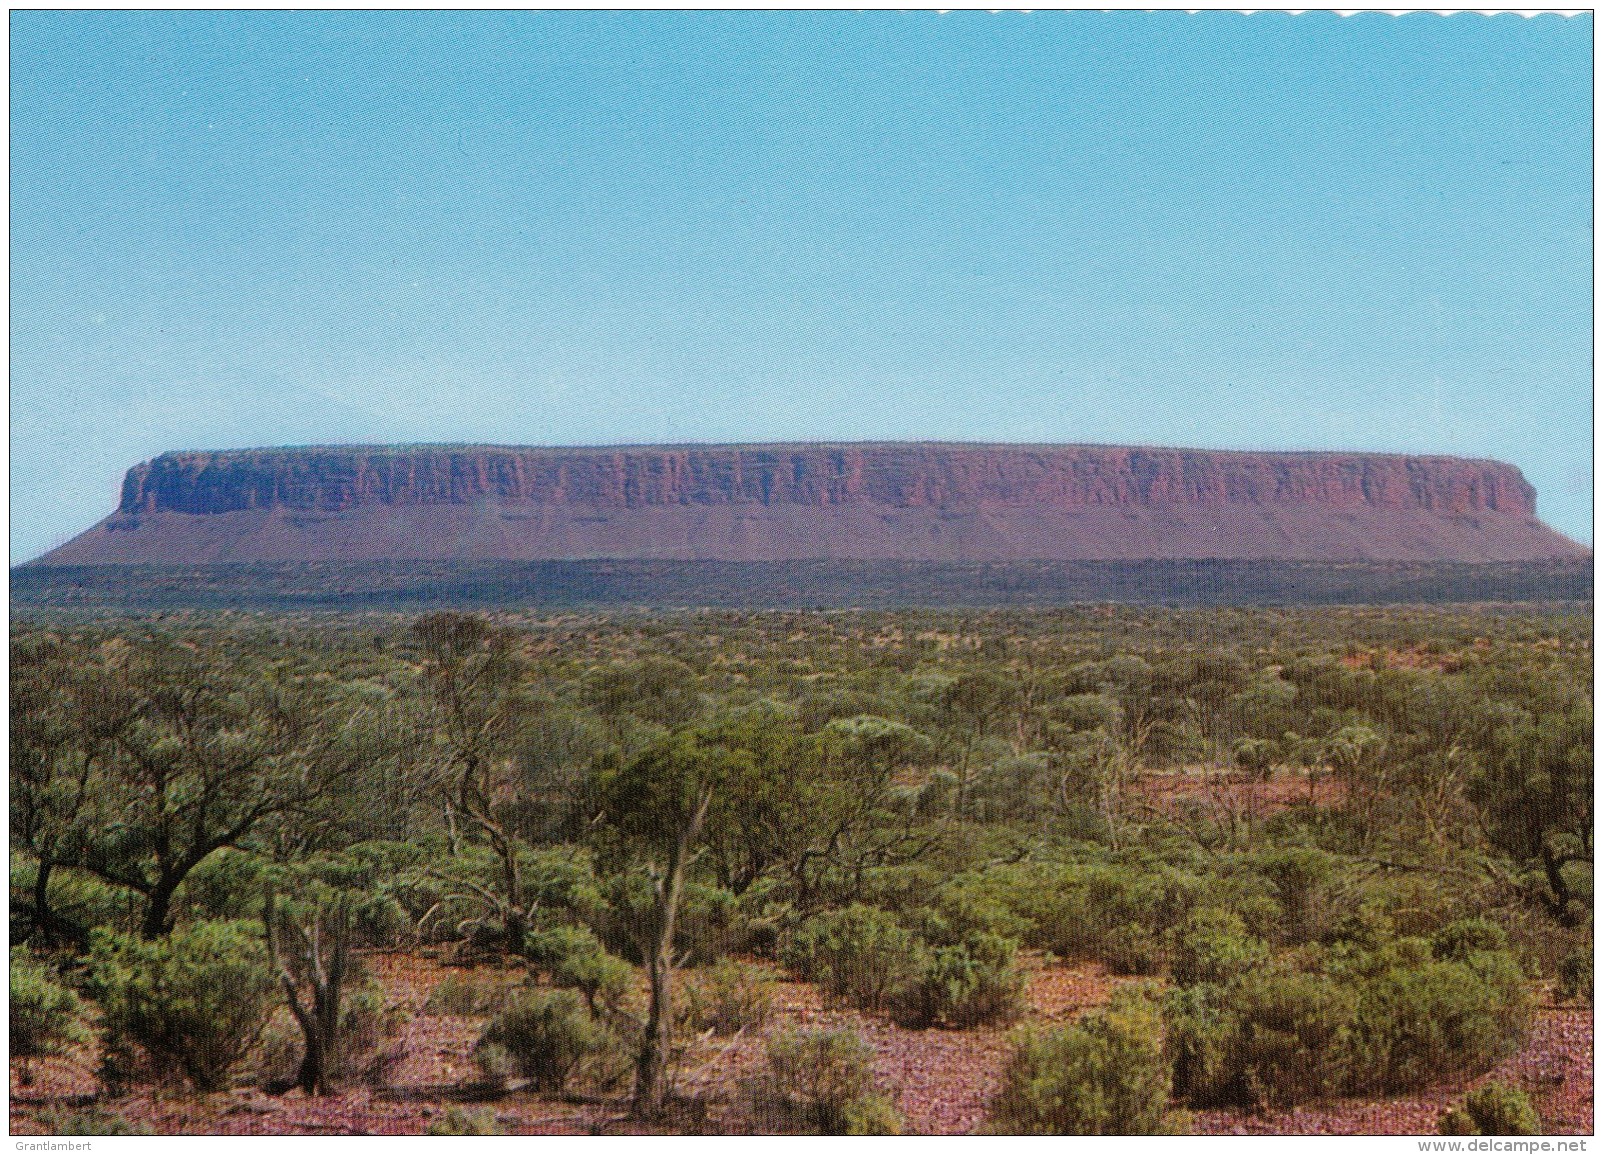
x=496 y=1065
x=977 y=981
x=871 y=1114
x=366 y=1021
x=574 y=957
x=463 y=995
x=226 y=885
x=728 y=996
x=825 y=1079
x=971 y=903
x=377 y=880
x=1415 y=1025
x=1261 y=914
x=193 y=1002
x=1456 y=941
x=1200 y=1033
x=549 y=947
x=87 y=1121
x=546 y=1035
x=1290 y=1036
x=1497 y=1109
x=1300 y=876
x=712 y=923
x=1270 y=1037
x=1213 y=946
x=1116 y=914
x=858 y=955
x=45 y=1016
x=76 y=896
x=1104 y=1075
x=1377 y=1016
x=1131 y=949
x=1575 y=975
x=461 y=1121
x=278 y=1052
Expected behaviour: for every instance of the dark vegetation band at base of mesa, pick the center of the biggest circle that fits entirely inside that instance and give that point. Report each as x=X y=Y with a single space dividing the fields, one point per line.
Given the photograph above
x=1082 y=870
x=789 y=585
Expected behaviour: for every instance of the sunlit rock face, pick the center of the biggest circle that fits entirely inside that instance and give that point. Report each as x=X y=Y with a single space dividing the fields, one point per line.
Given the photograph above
x=864 y=501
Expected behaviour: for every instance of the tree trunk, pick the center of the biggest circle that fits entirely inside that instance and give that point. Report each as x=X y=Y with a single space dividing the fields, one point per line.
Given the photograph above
x=651 y=1074
x=319 y=1022
x=651 y=1069
x=1559 y=900
x=51 y=928
x=158 y=908
x=312 y=1078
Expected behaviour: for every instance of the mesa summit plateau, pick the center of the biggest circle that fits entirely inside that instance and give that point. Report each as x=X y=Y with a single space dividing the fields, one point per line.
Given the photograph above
x=869 y=501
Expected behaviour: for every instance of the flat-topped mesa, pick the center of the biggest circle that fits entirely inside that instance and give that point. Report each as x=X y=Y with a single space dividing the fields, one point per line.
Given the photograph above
x=825 y=501
x=899 y=476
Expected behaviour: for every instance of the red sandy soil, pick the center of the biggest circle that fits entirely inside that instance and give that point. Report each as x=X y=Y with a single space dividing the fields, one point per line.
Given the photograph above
x=941 y=1080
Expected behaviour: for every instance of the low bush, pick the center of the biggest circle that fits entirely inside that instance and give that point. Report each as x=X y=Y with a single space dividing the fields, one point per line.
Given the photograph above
x=367 y=1020
x=464 y=995
x=545 y=1035
x=1131 y=949
x=194 y=1002
x=1300 y=877
x=461 y=1121
x=46 y=1017
x=1575 y=975
x=859 y=955
x=77 y=898
x=1117 y=914
x=92 y=1120
x=226 y=885
x=1104 y=1075
x=1373 y=1015
x=1269 y=1038
x=968 y=904
x=824 y=1079
x=872 y=1114
x=729 y=996
x=1416 y=1024
x=574 y=957
x=1493 y=1109
x=1289 y=1043
x=976 y=981
x=278 y=1052
x=1457 y=941
x=549 y=947
x=862 y=956
x=1213 y=946
x=1200 y=1034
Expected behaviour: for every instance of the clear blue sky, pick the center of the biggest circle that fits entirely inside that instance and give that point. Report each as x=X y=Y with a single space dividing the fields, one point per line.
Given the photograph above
x=234 y=229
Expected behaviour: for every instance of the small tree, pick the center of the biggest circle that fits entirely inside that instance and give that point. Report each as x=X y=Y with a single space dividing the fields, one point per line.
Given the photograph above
x=656 y=806
x=474 y=675
x=185 y=755
x=315 y=958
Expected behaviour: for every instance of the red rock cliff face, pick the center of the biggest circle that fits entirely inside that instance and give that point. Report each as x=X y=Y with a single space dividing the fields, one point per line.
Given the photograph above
x=942 y=477
x=927 y=502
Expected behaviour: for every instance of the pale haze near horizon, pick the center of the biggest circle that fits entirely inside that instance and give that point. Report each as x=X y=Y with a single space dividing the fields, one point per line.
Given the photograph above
x=1218 y=231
